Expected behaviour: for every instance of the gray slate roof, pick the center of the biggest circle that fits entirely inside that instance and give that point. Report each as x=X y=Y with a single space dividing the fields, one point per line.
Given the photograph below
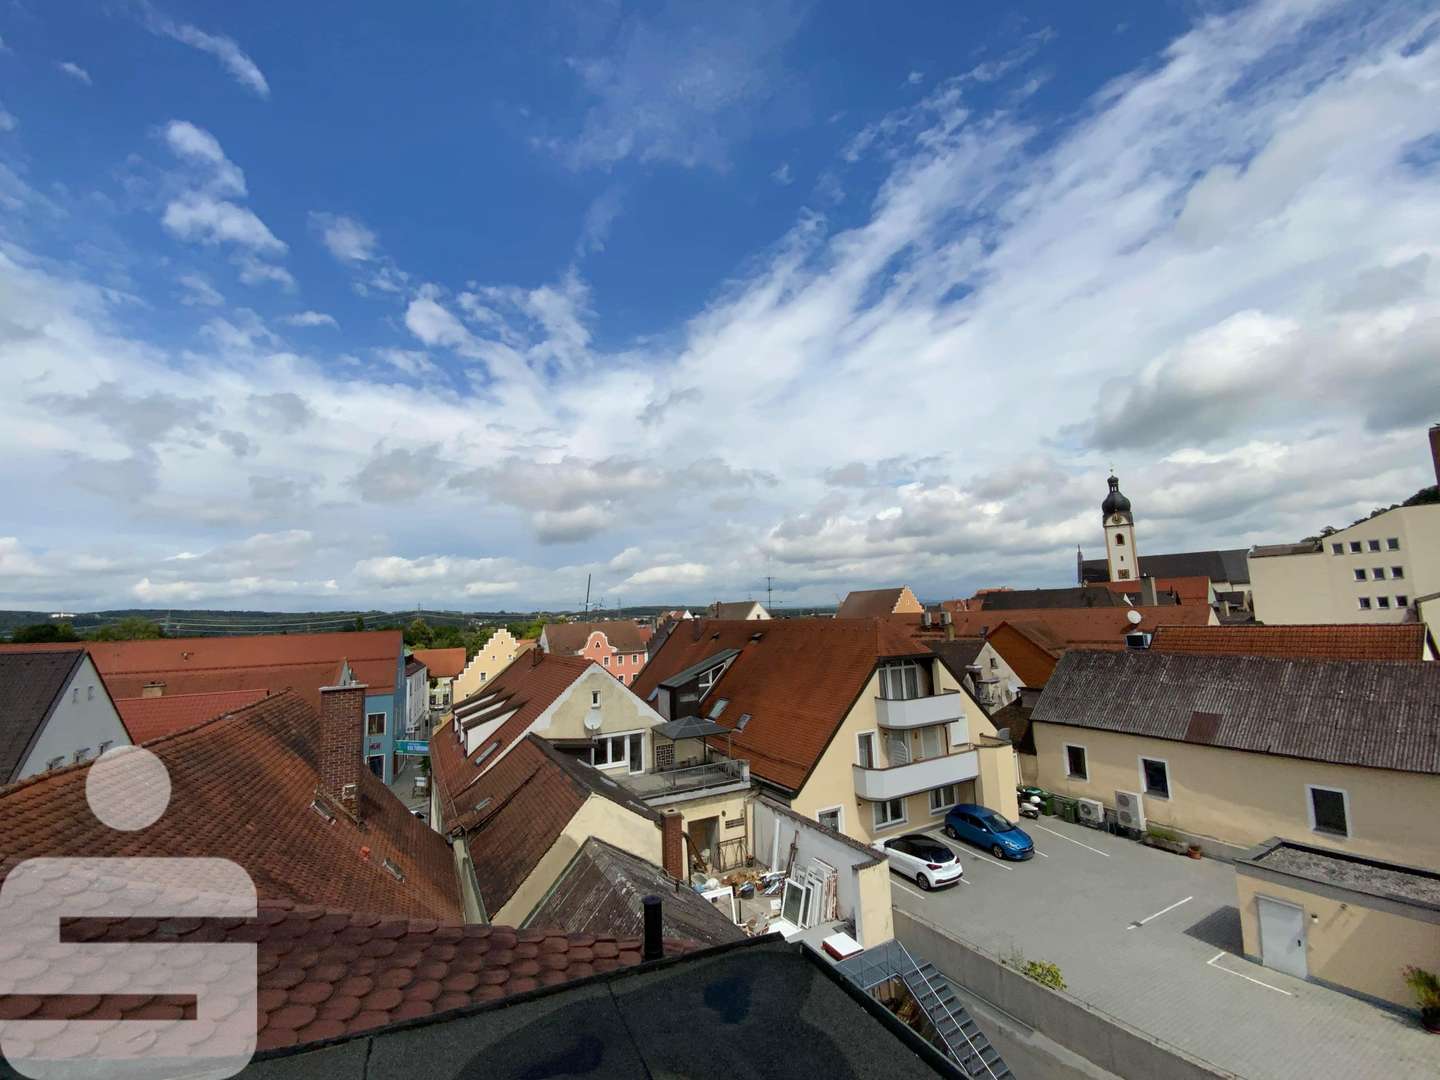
x=600 y=892
x=1229 y=564
x=1381 y=715
x=30 y=685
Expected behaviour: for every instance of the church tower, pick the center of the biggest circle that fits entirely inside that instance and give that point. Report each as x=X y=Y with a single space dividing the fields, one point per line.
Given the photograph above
x=1120 y=554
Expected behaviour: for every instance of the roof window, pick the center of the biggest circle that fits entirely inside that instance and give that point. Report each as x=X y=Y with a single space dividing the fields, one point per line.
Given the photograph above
x=394 y=870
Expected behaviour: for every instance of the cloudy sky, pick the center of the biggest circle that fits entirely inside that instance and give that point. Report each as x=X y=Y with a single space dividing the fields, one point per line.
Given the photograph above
x=455 y=303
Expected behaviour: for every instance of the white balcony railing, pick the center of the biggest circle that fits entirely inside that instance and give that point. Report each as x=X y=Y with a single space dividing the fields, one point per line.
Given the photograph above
x=919 y=712
x=901 y=780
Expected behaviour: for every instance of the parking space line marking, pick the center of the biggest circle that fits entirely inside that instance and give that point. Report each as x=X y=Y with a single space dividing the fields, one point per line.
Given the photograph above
x=1157 y=914
x=913 y=892
x=1062 y=836
x=1040 y=853
x=1211 y=963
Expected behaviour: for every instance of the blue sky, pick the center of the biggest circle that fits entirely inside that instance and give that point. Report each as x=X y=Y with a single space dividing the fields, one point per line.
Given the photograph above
x=457 y=305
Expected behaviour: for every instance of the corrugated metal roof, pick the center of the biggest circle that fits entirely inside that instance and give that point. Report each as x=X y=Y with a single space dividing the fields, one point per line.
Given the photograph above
x=1381 y=715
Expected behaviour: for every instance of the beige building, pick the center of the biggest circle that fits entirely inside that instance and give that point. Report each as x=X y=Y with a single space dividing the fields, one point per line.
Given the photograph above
x=493 y=658
x=1373 y=572
x=1231 y=750
x=1348 y=922
x=850 y=722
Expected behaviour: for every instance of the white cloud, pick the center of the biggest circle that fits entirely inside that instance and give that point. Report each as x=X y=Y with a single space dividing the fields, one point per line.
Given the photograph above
x=199 y=292
x=208 y=220
x=311 y=318
x=225 y=49
x=915 y=78
x=74 y=70
x=782 y=175
x=345 y=238
x=198 y=147
x=7 y=120
x=670 y=575
x=256 y=271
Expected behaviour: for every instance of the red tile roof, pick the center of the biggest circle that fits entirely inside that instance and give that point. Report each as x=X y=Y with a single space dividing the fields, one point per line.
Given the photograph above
x=624 y=635
x=1187 y=589
x=150 y=718
x=328 y=974
x=797 y=682
x=1070 y=628
x=869 y=603
x=527 y=686
x=442 y=663
x=274 y=662
x=512 y=816
x=241 y=789
x=1345 y=641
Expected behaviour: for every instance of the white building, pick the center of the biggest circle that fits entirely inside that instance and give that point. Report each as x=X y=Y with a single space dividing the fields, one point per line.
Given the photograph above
x=56 y=712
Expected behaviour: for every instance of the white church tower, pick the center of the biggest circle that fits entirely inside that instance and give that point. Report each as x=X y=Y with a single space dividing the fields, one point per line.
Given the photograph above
x=1120 y=554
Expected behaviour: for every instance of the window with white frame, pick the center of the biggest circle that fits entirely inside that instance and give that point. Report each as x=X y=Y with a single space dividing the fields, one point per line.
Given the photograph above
x=1397 y=573
x=942 y=798
x=708 y=678
x=1378 y=573
x=1337 y=549
x=1329 y=810
x=1382 y=602
x=1359 y=573
x=606 y=661
x=1392 y=543
x=900 y=681
x=830 y=818
x=1155 y=774
x=1076 y=767
x=932 y=742
x=615 y=751
x=890 y=812
x=1364 y=603
x=1374 y=545
x=594 y=699
x=1401 y=600
x=1356 y=547
x=865 y=749
x=375 y=723
x=55 y=762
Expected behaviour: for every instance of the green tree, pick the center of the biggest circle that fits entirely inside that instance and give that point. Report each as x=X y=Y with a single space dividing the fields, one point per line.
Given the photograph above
x=359 y=623
x=44 y=633
x=130 y=628
x=418 y=634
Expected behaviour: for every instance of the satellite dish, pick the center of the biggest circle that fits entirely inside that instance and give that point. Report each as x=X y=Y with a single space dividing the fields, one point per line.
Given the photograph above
x=1134 y=617
x=593 y=720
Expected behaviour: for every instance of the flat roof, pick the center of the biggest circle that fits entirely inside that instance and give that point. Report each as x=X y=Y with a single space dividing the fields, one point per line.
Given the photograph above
x=1371 y=877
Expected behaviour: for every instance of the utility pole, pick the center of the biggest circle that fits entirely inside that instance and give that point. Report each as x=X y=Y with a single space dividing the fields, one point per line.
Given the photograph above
x=769 y=598
x=587 y=593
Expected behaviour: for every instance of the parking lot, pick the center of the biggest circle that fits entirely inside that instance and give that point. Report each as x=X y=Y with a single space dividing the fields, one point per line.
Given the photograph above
x=1154 y=940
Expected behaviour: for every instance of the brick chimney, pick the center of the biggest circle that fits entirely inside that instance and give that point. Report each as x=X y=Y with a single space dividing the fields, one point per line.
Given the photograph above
x=1435 y=449
x=672 y=844
x=342 y=736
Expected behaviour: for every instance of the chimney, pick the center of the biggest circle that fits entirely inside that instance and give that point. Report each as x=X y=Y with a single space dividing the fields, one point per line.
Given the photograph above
x=342 y=732
x=672 y=844
x=1148 y=596
x=1435 y=449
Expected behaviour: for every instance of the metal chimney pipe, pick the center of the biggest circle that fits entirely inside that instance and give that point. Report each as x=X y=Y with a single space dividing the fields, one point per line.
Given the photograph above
x=654 y=947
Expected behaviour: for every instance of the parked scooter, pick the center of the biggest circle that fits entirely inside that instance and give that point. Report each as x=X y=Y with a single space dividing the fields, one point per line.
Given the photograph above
x=1030 y=807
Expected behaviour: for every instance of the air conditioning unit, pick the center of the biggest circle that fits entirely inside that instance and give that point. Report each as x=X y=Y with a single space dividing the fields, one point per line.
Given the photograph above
x=1092 y=813
x=1130 y=811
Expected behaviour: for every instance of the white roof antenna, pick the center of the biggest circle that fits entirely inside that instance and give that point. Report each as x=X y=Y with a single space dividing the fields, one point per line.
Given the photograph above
x=1134 y=616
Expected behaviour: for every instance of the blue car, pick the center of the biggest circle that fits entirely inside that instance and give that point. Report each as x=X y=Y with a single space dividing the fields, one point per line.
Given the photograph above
x=985 y=828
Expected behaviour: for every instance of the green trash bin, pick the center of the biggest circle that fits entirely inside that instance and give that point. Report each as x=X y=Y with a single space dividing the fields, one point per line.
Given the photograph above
x=1069 y=810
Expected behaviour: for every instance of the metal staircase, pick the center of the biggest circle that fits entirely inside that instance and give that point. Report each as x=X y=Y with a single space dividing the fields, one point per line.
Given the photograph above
x=956 y=1033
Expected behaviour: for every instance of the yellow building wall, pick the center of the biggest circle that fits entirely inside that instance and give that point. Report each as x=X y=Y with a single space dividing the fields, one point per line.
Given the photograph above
x=598 y=817
x=832 y=782
x=1243 y=798
x=485 y=664
x=728 y=807
x=620 y=710
x=875 y=921
x=1348 y=943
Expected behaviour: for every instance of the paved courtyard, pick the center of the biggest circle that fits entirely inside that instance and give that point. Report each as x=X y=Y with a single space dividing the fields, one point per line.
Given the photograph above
x=1154 y=939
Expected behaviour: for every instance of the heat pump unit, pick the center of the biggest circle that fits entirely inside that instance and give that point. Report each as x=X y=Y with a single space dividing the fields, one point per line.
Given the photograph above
x=1092 y=813
x=1129 y=811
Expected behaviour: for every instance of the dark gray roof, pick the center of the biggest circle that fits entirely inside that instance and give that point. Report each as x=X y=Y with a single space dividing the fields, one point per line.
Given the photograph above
x=680 y=678
x=1381 y=715
x=600 y=892
x=1327 y=866
x=1225 y=565
x=957 y=653
x=30 y=686
x=690 y=727
x=723 y=1013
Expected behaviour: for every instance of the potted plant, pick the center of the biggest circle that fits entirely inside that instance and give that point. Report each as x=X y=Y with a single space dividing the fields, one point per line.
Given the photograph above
x=1193 y=850
x=1426 y=986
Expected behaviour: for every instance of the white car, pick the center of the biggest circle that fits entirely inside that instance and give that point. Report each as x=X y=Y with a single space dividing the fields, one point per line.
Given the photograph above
x=922 y=859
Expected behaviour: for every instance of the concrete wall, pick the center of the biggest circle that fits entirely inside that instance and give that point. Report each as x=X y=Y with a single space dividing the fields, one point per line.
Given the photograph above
x=862 y=894
x=499 y=650
x=832 y=782
x=1321 y=587
x=83 y=719
x=1243 y=798
x=1352 y=941
x=598 y=817
x=1098 y=1037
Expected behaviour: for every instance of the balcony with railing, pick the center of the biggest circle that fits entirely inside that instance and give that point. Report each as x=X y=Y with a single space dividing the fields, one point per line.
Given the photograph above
x=900 y=780
x=716 y=774
x=918 y=712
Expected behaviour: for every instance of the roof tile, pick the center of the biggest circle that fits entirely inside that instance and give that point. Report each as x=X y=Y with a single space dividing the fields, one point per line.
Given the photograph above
x=1340 y=641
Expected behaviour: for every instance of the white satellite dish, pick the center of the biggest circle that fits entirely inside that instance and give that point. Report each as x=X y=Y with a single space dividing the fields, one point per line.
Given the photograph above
x=1134 y=617
x=593 y=720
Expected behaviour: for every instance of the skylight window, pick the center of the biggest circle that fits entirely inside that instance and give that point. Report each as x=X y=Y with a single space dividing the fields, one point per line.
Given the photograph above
x=718 y=708
x=323 y=811
x=744 y=719
x=394 y=869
